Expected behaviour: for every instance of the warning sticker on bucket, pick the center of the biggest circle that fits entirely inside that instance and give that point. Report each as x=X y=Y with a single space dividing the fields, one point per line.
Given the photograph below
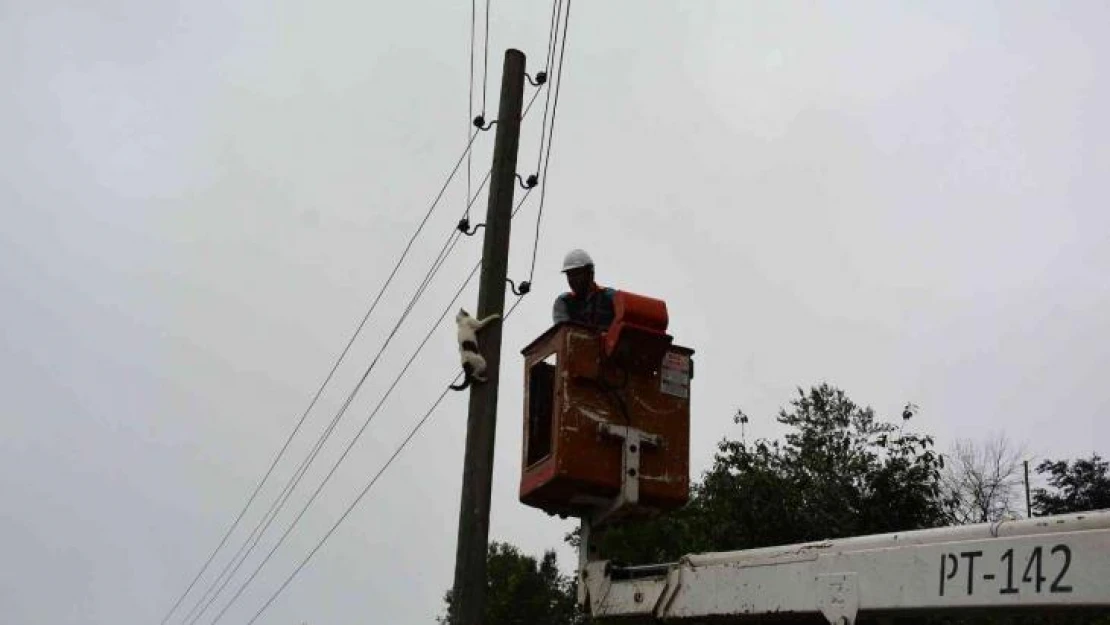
x=674 y=375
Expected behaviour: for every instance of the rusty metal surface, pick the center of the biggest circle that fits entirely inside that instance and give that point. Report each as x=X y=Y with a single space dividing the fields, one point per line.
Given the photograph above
x=584 y=467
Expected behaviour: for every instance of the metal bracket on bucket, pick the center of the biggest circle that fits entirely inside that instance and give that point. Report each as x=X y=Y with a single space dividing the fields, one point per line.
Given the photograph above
x=633 y=441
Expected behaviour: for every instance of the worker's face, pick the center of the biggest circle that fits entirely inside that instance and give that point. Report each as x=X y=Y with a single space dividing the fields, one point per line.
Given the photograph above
x=580 y=280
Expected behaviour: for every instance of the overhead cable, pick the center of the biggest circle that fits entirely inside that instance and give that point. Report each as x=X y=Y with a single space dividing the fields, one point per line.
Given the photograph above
x=552 y=42
x=404 y=443
x=267 y=519
x=485 y=60
x=464 y=222
x=323 y=385
x=550 y=140
x=470 y=98
x=357 y=435
x=295 y=479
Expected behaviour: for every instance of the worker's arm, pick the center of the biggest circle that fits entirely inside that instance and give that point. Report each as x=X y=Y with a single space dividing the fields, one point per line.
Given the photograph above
x=559 y=312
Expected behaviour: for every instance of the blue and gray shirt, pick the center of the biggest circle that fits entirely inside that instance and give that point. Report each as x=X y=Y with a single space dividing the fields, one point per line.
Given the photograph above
x=593 y=309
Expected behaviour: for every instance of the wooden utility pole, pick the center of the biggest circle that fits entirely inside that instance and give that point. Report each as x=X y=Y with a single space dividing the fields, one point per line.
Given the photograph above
x=469 y=594
x=1028 y=504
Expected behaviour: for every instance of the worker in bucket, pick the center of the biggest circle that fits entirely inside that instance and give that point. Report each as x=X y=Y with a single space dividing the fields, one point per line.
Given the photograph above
x=586 y=303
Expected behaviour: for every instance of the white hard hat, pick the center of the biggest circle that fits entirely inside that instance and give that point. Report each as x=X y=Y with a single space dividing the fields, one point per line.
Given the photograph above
x=576 y=259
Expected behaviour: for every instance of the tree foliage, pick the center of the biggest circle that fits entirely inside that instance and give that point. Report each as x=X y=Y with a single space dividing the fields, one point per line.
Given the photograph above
x=523 y=591
x=839 y=471
x=1077 y=486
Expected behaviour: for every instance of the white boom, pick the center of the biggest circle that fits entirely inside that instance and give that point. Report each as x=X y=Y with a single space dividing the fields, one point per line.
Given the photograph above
x=1060 y=561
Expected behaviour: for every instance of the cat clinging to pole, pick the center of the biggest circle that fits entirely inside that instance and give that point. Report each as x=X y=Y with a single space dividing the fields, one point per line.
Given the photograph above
x=473 y=364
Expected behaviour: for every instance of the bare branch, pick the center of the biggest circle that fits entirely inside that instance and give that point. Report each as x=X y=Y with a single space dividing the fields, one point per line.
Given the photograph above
x=983 y=480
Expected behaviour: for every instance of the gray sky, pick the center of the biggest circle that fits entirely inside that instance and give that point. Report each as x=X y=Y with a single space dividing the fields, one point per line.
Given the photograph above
x=906 y=201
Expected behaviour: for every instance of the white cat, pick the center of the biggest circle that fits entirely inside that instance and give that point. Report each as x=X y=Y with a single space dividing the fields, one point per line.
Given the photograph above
x=473 y=364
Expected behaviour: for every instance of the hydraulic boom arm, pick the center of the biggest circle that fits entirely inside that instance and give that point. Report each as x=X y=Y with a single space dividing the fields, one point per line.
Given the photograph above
x=1061 y=561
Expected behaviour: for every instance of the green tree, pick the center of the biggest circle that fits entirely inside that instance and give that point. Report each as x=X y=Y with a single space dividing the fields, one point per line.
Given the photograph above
x=1078 y=486
x=838 y=472
x=523 y=591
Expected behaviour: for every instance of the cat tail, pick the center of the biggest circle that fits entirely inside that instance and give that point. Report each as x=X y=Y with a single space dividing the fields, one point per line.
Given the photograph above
x=468 y=377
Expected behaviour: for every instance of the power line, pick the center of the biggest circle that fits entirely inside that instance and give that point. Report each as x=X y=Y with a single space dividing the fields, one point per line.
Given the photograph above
x=485 y=61
x=485 y=76
x=466 y=213
x=556 y=6
x=295 y=480
x=412 y=433
x=470 y=112
x=279 y=503
x=373 y=481
x=316 y=493
x=470 y=98
x=276 y=506
x=550 y=140
x=323 y=385
x=531 y=100
x=552 y=42
x=449 y=245
x=351 y=445
x=343 y=456
x=467 y=153
x=366 y=489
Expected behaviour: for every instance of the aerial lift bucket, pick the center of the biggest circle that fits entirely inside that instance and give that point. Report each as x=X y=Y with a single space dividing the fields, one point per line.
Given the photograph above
x=607 y=416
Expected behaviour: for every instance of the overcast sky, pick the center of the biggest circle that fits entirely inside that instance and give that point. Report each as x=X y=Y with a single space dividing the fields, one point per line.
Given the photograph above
x=200 y=200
